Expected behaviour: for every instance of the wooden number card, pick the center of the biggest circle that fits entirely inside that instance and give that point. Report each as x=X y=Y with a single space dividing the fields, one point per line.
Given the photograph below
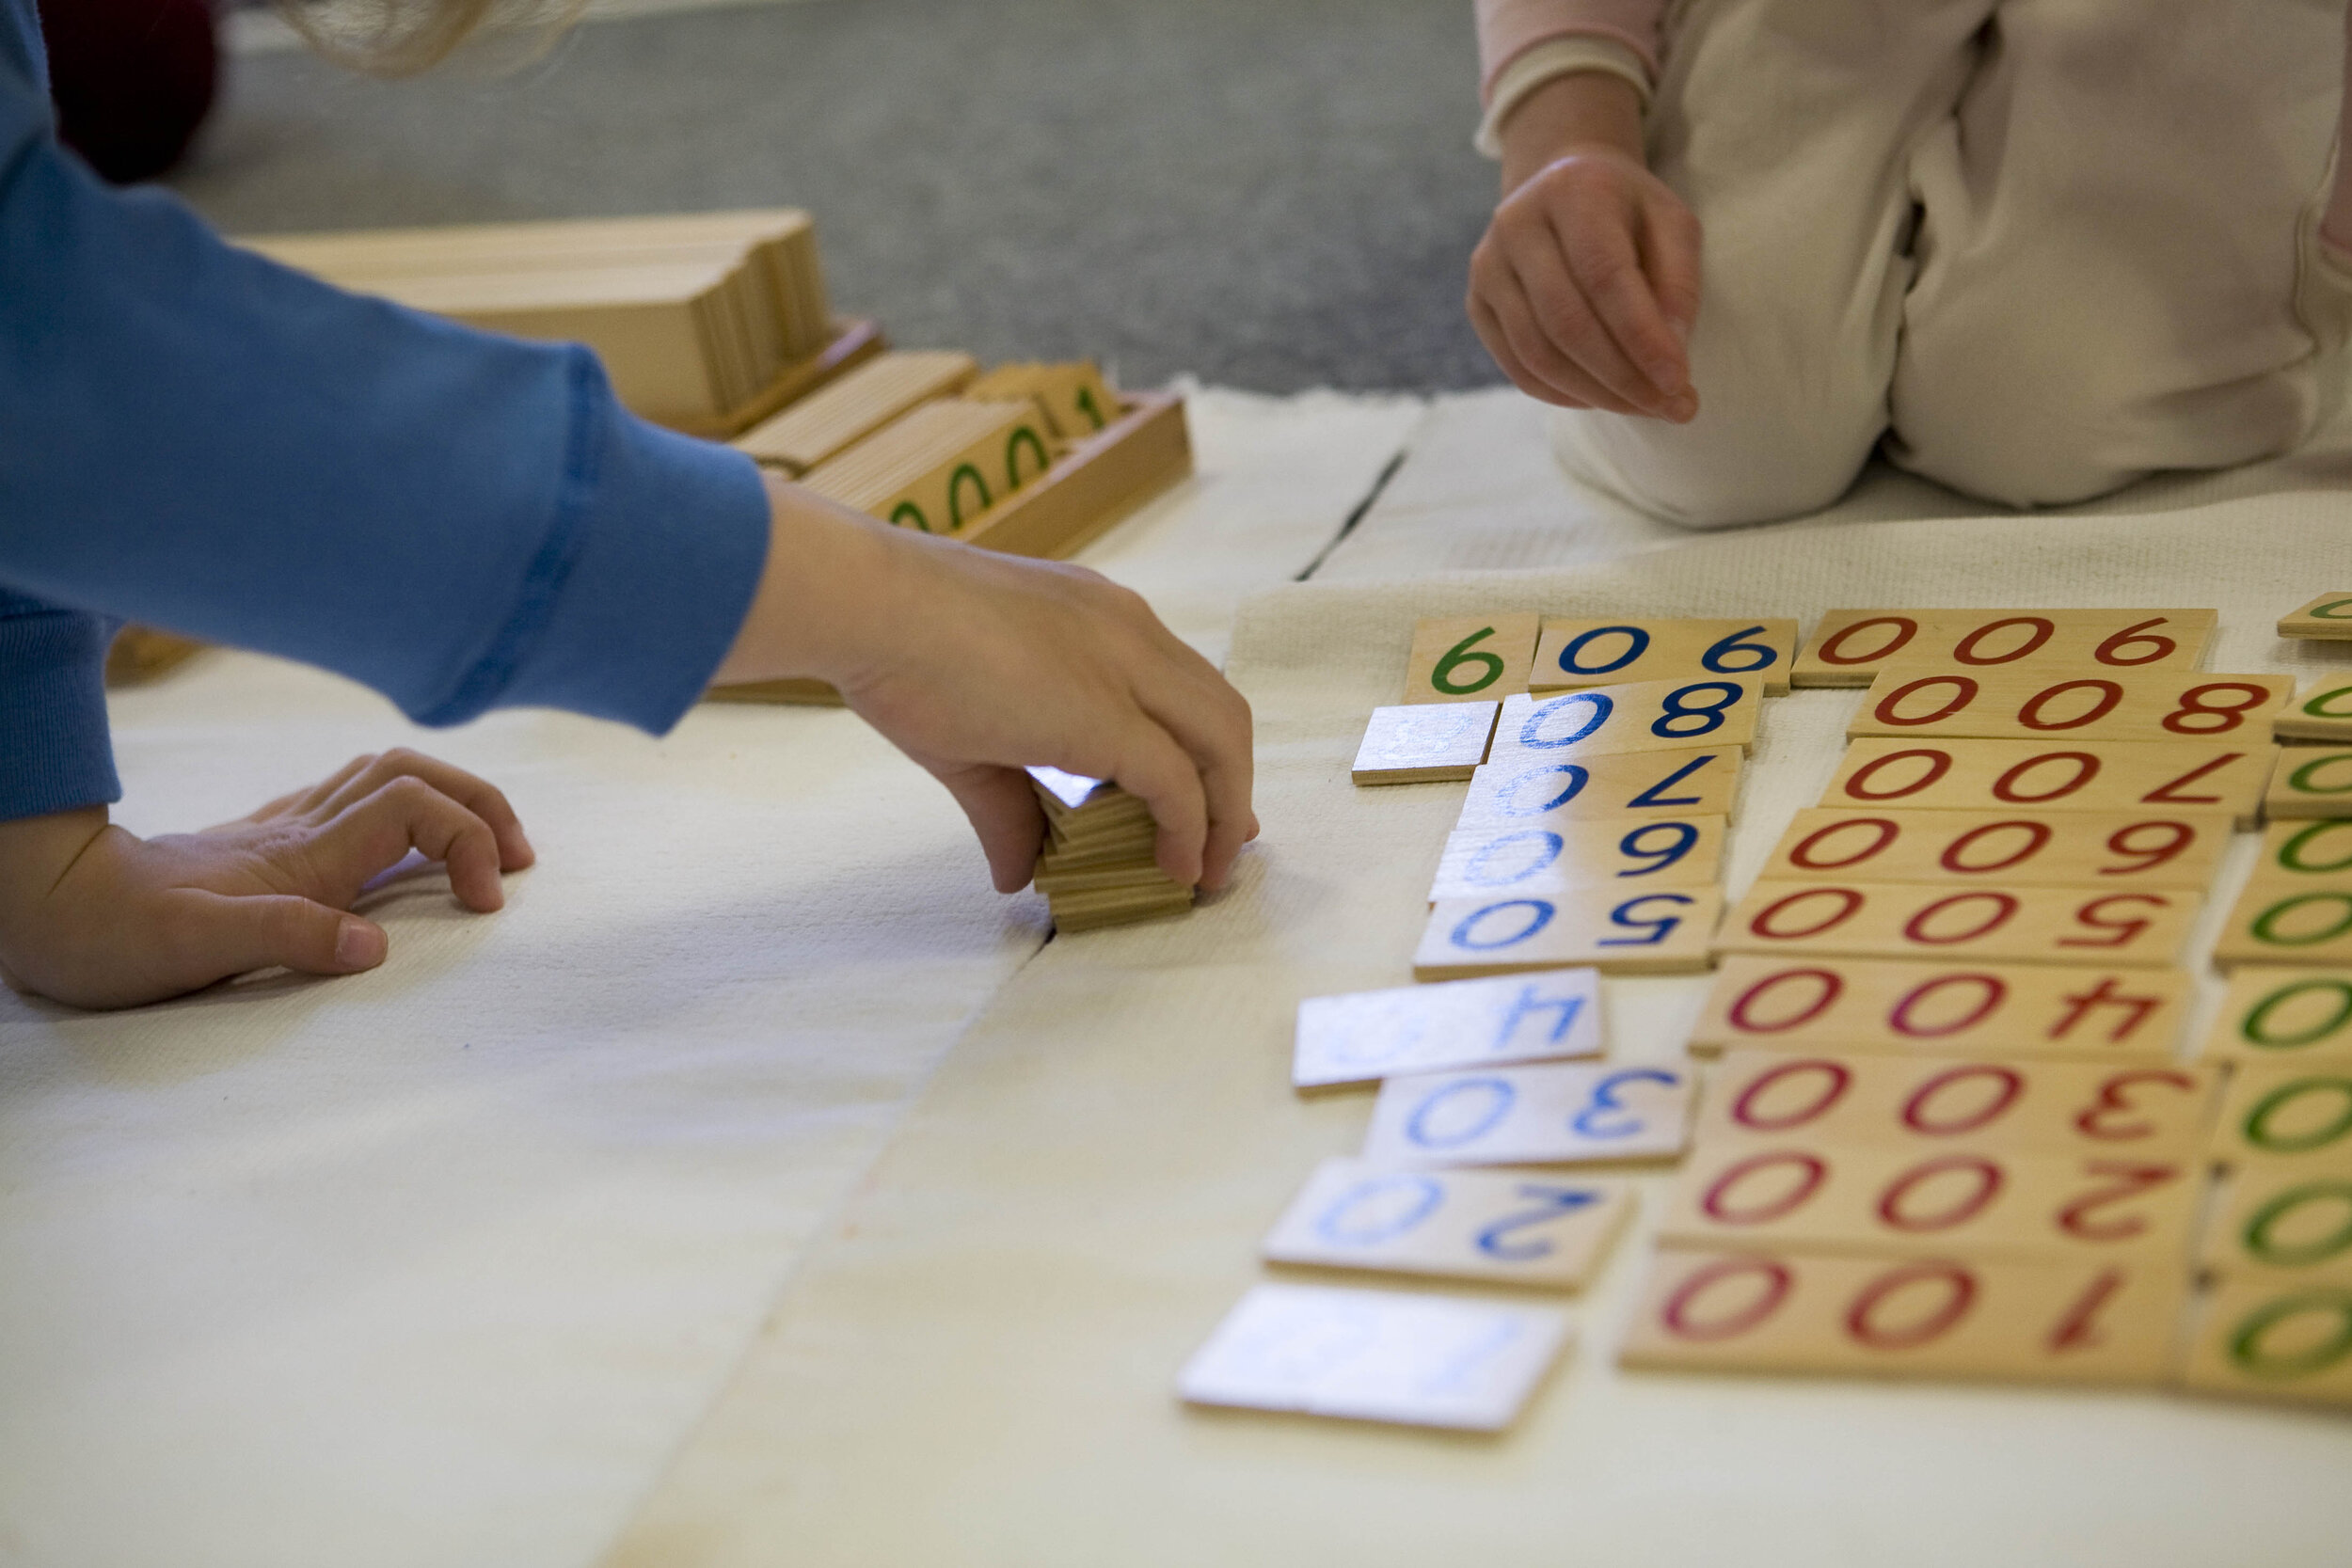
x=1377 y=1356
x=2145 y=1110
x=1506 y=1228
x=2321 y=711
x=2261 y=1339
x=1907 y=1200
x=1881 y=771
x=2287 y=1114
x=2024 y=1010
x=1573 y=653
x=1647 y=716
x=2284 y=1222
x=2328 y=616
x=2284 y=1015
x=1904 y=920
x=1780 y=1313
x=1550 y=1115
x=2296 y=907
x=2142 y=849
x=1462 y=1024
x=1471 y=658
x=2304 y=854
x=1629 y=852
x=2309 y=783
x=2055 y=705
x=2274 y=925
x=1685 y=785
x=1424 y=744
x=1849 y=646
x=2066 y=1321
x=1665 y=932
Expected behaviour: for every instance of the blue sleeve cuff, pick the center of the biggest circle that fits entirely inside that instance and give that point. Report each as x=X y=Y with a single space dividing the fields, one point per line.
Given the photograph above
x=639 y=588
x=53 y=710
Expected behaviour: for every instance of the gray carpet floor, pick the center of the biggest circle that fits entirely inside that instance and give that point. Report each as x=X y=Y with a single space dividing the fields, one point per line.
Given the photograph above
x=1271 y=194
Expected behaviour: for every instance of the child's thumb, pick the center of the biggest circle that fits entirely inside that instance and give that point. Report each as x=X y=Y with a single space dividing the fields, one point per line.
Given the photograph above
x=269 y=931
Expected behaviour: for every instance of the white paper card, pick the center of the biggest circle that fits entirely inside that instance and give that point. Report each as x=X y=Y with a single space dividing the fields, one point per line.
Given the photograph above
x=1377 y=1356
x=1366 y=1035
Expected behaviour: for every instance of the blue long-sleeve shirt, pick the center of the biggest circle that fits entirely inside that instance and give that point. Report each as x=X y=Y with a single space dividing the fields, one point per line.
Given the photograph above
x=194 y=436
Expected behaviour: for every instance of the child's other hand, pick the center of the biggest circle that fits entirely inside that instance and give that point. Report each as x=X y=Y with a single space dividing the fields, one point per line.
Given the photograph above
x=978 y=665
x=1587 y=284
x=92 y=916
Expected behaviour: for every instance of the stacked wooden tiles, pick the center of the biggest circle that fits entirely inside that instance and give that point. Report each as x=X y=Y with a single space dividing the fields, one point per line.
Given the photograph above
x=1032 y=459
x=1029 y=459
x=703 y=321
x=1098 y=868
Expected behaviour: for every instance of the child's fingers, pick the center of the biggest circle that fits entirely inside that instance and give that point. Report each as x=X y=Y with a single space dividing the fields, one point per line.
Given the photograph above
x=210 y=936
x=1571 y=324
x=1152 y=767
x=1500 y=313
x=374 y=833
x=1214 y=726
x=1004 y=813
x=1671 y=249
x=368 y=775
x=1534 y=348
x=1499 y=348
x=1607 y=270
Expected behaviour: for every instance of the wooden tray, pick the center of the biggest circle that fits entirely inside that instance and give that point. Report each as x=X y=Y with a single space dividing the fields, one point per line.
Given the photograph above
x=1095 y=483
x=855 y=340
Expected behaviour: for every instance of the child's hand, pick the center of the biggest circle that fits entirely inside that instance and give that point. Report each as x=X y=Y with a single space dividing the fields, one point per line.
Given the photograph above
x=1586 y=285
x=93 y=917
x=978 y=665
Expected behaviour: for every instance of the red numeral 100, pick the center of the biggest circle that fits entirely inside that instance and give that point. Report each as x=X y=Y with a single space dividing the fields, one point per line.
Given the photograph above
x=1906 y=1306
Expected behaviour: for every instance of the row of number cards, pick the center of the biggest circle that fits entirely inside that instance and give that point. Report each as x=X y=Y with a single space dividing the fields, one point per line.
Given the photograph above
x=1602 y=757
x=1479 y=1079
x=1632 y=780
x=2030 y=1220
x=2051 y=786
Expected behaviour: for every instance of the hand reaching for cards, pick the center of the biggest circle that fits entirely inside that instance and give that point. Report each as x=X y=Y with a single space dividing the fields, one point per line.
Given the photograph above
x=978 y=665
x=93 y=916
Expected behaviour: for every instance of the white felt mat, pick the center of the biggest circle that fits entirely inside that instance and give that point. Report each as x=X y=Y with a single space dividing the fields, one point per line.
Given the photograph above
x=977 y=1367
x=438 y=1264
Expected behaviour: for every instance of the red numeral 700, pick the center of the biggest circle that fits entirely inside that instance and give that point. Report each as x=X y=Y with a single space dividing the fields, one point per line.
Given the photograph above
x=2044 y=777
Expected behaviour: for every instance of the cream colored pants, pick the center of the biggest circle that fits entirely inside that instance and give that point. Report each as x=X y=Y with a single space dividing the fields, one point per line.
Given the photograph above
x=2038 y=248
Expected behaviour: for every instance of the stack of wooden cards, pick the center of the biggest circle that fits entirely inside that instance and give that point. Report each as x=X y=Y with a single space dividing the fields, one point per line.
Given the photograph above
x=942 y=466
x=1098 y=867
x=1028 y=459
x=1075 y=398
x=853 y=405
x=697 y=317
